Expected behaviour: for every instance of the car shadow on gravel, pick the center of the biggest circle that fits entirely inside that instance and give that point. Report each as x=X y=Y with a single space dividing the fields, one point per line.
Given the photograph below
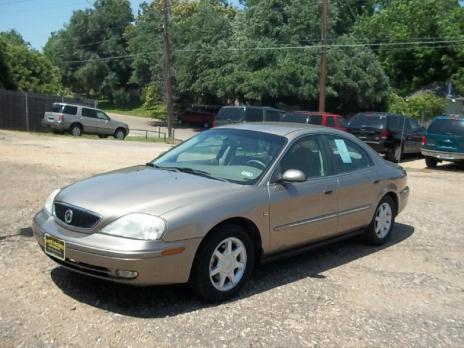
x=170 y=300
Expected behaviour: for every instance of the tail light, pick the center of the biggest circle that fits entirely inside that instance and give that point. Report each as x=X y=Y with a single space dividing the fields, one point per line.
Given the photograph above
x=385 y=134
x=423 y=140
x=60 y=118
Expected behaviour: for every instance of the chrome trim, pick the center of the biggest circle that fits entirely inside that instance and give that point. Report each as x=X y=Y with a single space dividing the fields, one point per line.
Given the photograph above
x=354 y=210
x=75 y=228
x=304 y=222
x=321 y=217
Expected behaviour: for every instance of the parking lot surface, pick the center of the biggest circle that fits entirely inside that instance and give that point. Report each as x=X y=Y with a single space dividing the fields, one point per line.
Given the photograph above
x=409 y=292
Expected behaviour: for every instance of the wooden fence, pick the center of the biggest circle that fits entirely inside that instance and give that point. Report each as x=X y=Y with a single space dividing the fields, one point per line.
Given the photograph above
x=24 y=111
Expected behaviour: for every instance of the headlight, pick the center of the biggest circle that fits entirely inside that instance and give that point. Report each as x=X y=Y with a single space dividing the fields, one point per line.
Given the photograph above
x=48 y=206
x=137 y=226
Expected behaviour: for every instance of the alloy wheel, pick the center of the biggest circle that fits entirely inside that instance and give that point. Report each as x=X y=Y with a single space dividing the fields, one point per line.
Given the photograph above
x=228 y=263
x=383 y=220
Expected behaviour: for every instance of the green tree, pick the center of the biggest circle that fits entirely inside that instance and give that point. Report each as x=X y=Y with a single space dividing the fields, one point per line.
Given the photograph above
x=91 y=49
x=25 y=68
x=423 y=26
x=423 y=106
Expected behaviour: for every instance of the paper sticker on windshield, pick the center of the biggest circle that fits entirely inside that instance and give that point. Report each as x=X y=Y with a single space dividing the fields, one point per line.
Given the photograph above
x=247 y=174
x=343 y=151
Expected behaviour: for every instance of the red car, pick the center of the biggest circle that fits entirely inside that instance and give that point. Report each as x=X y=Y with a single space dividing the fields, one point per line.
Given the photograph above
x=203 y=115
x=317 y=118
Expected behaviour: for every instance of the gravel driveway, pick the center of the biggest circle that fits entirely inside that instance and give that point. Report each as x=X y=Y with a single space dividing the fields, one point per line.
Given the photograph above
x=407 y=293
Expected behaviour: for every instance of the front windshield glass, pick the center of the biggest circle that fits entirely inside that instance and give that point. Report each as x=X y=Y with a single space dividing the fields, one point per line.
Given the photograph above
x=238 y=156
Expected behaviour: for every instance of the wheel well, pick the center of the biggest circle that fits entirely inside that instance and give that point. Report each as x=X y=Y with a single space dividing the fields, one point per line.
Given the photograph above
x=394 y=197
x=121 y=128
x=76 y=124
x=250 y=228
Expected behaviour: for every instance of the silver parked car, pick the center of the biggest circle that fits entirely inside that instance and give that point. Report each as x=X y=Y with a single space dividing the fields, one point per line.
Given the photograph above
x=78 y=119
x=211 y=208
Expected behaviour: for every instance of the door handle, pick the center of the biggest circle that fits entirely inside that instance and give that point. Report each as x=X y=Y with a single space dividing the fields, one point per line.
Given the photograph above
x=328 y=192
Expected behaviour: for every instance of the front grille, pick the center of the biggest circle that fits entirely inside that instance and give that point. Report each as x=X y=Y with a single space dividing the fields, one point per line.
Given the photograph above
x=79 y=217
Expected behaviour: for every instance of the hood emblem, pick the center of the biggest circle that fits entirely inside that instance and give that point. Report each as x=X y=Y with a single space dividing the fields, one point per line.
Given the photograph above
x=68 y=215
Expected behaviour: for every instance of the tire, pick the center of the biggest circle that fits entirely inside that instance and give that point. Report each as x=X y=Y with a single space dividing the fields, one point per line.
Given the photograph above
x=211 y=279
x=430 y=162
x=379 y=230
x=206 y=125
x=75 y=130
x=395 y=154
x=120 y=134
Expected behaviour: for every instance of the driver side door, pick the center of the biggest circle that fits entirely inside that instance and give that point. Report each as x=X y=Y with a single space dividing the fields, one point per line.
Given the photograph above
x=303 y=212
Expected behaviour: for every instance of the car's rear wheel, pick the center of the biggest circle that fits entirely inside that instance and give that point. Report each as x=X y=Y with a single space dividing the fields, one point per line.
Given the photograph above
x=120 y=134
x=431 y=162
x=223 y=263
x=206 y=125
x=75 y=130
x=379 y=230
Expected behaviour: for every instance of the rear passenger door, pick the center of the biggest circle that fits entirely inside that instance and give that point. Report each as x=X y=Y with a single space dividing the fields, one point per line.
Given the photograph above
x=89 y=120
x=357 y=189
x=103 y=124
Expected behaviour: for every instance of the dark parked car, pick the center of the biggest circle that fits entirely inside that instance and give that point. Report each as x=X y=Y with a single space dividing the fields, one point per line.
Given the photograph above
x=389 y=134
x=444 y=140
x=203 y=115
x=317 y=118
x=237 y=114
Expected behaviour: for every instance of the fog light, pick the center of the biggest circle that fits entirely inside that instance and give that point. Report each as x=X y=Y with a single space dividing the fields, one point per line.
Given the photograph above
x=126 y=274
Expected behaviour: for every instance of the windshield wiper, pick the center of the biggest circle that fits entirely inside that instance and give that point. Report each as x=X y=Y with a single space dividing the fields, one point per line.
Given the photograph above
x=199 y=172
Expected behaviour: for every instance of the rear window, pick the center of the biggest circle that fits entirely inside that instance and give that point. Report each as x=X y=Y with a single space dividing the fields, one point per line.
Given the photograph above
x=447 y=126
x=57 y=107
x=368 y=121
x=315 y=119
x=232 y=114
x=294 y=117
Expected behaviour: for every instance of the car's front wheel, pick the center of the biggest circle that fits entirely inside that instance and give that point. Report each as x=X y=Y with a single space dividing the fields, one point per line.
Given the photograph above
x=379 y=230
x=120 y=134
x=223 y=263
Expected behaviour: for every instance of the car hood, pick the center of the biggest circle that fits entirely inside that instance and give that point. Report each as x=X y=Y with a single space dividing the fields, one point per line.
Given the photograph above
x=142 y=189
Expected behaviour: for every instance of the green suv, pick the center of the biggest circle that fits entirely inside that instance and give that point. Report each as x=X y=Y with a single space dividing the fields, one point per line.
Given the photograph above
x=444 y=140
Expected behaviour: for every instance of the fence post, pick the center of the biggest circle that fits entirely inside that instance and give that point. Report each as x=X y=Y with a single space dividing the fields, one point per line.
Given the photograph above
x=27 y=112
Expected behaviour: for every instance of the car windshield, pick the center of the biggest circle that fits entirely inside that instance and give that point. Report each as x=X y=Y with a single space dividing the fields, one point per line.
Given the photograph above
x=231 y=114
x=368 y=121
x=447 y=126
x=238 y=156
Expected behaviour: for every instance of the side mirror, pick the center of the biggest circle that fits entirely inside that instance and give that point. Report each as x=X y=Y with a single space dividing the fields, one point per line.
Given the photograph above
x=292 y=175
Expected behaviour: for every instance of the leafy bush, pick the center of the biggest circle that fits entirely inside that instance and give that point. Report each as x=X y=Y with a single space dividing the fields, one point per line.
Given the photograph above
x=151 y=96
x=121 y=97
x=423 y=106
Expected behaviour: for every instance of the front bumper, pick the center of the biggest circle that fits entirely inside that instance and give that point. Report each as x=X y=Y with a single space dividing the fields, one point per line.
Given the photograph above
x=155 y=266
x=443 y=155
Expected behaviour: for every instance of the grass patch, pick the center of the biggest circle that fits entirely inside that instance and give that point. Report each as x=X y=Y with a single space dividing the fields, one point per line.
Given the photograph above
x=134 y=109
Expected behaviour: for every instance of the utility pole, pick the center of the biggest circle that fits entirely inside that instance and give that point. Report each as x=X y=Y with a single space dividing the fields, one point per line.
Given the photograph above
x=167 y=67
x=323 y=64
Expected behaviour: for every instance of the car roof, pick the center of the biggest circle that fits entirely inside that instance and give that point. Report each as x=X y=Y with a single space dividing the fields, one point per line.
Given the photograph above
x=250 y=107
x=312 y=113
x=77 y=105
x=449 y=117
x=285 y=129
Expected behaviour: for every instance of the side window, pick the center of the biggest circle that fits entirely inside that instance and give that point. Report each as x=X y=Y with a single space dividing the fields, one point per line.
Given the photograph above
x=89 y=112
x=297 y=118
x=254 y=115
x=306 y=155
x=315 y=119
x=273 y=116
x=70 y=110
x=396 y=123
x=329 y=121
x=342 y=122
x=347 y=155
x=101 y=115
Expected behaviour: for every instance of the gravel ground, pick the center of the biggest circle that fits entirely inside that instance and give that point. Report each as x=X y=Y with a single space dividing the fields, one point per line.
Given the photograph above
x=407 y=293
